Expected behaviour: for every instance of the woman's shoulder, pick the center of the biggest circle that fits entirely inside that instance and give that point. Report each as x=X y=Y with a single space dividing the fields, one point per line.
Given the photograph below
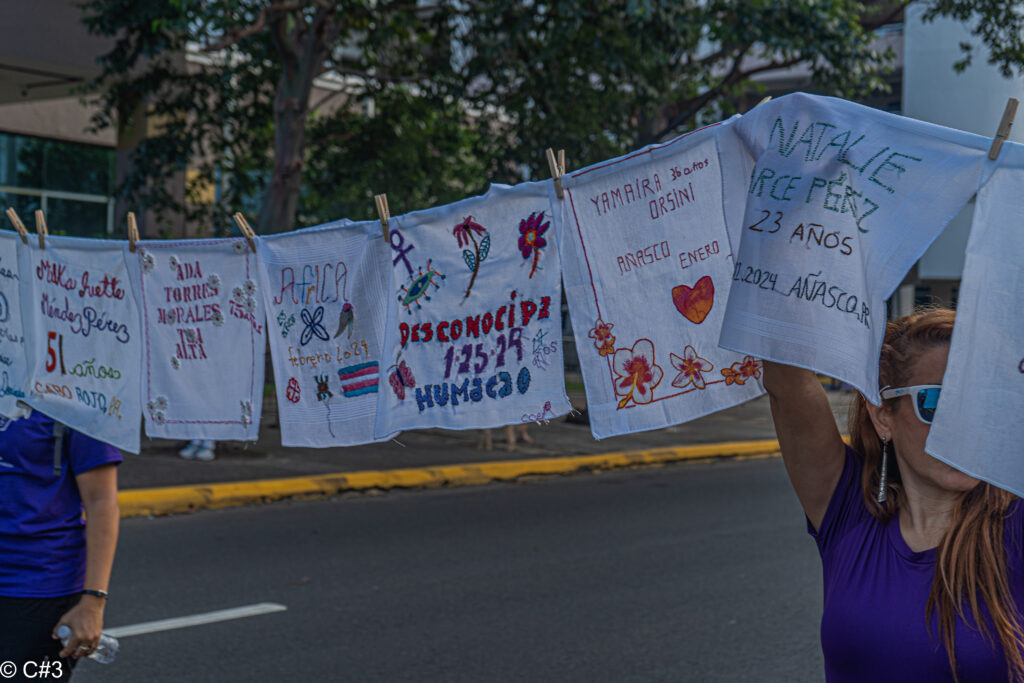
x=847 y=509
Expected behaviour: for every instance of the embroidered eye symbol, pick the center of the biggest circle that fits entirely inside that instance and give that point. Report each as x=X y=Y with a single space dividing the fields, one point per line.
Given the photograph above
x=313 y=325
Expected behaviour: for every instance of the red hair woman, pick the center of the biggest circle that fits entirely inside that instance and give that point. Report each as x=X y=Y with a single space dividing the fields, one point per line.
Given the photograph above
x=923 y=565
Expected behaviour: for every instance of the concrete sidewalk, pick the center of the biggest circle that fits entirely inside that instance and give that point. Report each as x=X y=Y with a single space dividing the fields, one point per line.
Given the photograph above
x=158 y=481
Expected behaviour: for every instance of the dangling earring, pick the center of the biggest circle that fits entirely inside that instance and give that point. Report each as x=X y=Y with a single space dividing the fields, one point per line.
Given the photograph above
x=885 y=463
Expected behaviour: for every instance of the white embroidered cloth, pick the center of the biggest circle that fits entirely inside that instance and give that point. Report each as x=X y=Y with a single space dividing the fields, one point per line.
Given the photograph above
x=324 y=290
x=13 y=360
x=978 y=426
x=647 y=269
x=82 y=337
x=203 y=338
x=841 y=200
x=474 y=331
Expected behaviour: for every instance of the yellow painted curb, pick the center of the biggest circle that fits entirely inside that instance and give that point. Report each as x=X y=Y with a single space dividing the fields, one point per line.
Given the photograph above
x=163 y=501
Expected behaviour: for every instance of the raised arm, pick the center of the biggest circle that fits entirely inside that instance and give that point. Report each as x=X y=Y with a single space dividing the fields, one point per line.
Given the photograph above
x=812 y=448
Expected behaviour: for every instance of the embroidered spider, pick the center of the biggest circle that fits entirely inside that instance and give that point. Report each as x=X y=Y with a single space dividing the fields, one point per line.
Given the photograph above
x=418 y=287
x=322 y=390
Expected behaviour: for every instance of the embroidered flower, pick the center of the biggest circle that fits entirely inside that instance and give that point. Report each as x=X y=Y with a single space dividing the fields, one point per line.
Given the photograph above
x=250 y=305
x=214 y=282
x=156 y=409
x=530 y=240
x=191 y=336
x=246 y=412
x=751 y=367
x=218 y=318
x=250 y=287
x=238 y=246
x=175 y=363
x=174 y=262
x=691 y=368
x=604 y=342
x=741 y=371
x=238 y=295
x=636 y=373
x=146 y=261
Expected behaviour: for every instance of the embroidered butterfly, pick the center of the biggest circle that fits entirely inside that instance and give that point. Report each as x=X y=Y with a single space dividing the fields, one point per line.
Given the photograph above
x=400 y=378
x=313 y=321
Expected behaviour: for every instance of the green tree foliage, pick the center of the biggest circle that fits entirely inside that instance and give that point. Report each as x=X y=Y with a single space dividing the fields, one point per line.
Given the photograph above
x=433 y=101
x=999 y=24
x=600 y=78
x=419 y=150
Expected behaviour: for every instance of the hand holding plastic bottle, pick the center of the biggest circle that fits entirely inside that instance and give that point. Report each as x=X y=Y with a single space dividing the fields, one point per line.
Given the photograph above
x=105 y=652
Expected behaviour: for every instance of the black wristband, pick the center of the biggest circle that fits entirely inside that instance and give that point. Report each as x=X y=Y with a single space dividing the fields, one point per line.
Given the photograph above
x=98 y=594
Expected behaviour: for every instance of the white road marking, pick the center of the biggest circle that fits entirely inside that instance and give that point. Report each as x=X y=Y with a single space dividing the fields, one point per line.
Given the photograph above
x=195 y=620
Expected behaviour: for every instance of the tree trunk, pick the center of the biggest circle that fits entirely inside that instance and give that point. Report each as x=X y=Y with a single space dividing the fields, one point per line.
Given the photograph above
x=281 y=198
x=131 y=129
x=303 y=47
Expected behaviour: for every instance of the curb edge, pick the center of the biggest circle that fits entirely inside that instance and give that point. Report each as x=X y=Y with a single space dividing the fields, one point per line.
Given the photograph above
x=178 y=499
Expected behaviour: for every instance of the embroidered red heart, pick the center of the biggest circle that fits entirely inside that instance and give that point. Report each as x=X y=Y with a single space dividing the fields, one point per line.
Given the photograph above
x=695 y=302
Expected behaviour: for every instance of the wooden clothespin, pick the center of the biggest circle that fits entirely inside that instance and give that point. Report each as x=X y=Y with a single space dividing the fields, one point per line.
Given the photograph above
x=1004 y=128
x=18 y=225
x=763 y=101
x=41 y=228
x=557 y=169
x=381 y=201
x=133 y=232
x=246 y=230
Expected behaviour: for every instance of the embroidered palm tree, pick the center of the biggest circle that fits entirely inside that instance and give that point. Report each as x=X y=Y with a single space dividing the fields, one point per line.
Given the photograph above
x=465 y=232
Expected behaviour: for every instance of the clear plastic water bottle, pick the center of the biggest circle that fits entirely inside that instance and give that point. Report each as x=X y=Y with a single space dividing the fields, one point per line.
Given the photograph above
x=105 y=652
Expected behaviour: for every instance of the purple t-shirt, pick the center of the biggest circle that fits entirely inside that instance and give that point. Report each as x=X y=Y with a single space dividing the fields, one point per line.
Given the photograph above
x=42 y=533
x=873 y=626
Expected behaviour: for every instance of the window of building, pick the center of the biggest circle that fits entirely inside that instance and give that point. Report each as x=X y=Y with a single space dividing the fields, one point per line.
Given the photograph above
x=923 y=295
x=71 y=182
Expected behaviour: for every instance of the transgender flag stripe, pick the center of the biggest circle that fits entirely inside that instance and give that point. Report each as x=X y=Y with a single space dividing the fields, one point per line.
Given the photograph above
x=360 y=379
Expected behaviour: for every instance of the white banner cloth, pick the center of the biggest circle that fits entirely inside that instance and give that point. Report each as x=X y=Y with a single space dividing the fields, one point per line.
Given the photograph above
x=324 y=289
x=841 y=200
x=978 y=427
x=474 y=328
x=203 y=338
x=647 y=269
x=13 y=359
x=82 y=328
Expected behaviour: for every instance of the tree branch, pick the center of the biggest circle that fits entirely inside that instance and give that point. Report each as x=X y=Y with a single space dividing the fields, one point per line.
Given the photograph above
x=372 y=76
x=284 y=41
x=888 y=17
x=735 y=75
x=255 y=27
x=697 y=103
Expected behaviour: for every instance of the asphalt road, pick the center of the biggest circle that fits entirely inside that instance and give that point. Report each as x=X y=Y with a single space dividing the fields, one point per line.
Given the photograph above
x=699 y=572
